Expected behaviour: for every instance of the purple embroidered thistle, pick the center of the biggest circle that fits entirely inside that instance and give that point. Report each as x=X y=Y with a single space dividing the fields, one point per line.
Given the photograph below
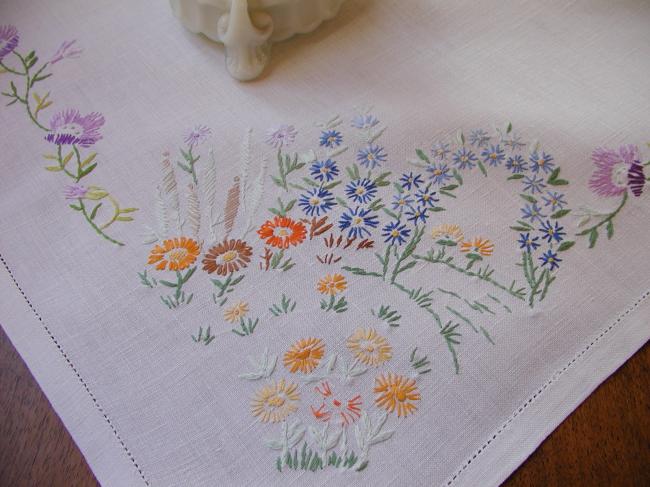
x=75 y=191
x=8 y=40
x=69 y=127
x=66 y=51
x=611 y=176
x=636 y=178
x=197 y=135
x=284 y=135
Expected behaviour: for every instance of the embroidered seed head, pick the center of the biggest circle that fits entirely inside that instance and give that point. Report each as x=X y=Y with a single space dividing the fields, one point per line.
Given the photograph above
x=275 y=401
x=369 y=347
x=70 y=127
x=281 y=232
x=396 y=393
x=8 y=40
x=175 y=254
x=236 y=312
x=304 y=355
x=611 y=177
x=226 y=257
x=332 y=284
x=478 y=246
x=446 y=234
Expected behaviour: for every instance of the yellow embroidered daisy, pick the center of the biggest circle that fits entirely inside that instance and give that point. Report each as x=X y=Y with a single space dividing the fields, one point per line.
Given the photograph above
x=235 y=312
x=275 y=401
x=332 y=284
x=396 y=393
x=369 y=347
x=447 y=234
x=304 y=355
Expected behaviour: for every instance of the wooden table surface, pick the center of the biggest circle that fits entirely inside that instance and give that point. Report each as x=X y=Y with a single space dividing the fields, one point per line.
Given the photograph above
x=605 y=442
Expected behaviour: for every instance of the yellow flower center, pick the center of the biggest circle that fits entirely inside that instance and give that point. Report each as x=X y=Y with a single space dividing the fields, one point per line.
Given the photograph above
x=360 y=190
x=276 y=401
x=282 y=232
x=357 y=220
x=314 y=201
x=394 y=233
x=229 y=256
x=177 y=255
x=437 y=172
x=464 y=158
x=493 y=156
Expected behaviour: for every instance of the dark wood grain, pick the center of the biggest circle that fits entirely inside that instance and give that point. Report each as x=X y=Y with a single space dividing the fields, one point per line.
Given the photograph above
x=605 y=442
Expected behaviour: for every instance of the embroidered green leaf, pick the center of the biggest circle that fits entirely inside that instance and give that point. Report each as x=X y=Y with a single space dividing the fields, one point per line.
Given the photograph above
x=88 y=159
x=53 y=168
x=450 y=187
x=87 y=171
x=566 y=245
x=390 y=213
x=482 y=168
x=331 y=185
x=517 y=228
x=437 y=208
x=553 y=178
x=509 y=129
x=204 y=337
x=128 y=210
x=93 y=213
x=67 y=158
x=124 y=219
x=560 y=213
x=421 y=365
x=593 y=237
x=376 y=205
x=75 y=207
x=610 y=229
x=342 y=202
x=447 y=193
x=516 y=176
x=51 y=157
x=380 y=180
x=422 y=156
x=528 y=198
x=285 y=307
x=388 y=315
x=457 y=176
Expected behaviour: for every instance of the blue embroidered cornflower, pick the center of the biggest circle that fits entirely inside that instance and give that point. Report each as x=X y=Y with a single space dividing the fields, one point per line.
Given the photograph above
x=494 y=155
x=550 y=232
x=532 y=213
x=464 y=158
x=417 y=215
x=364 y=122
x=478 y=138
x=361 y=190
x=426 y=197
x=324 y=170
x=409 y=180
x=402 y=201
x=440 y=150
x=330 y=138
x=533 y=184
x=516 y=164
x=358 y=222
x=395 y=233
x=541 y=162
x=316 y=201
x=527 y=242
x=371 y=156
x=439 y=173
x=554 y=200
x=549 y=257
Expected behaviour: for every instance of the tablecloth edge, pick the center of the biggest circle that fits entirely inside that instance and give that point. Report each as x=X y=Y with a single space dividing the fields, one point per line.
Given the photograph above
x=513 y=442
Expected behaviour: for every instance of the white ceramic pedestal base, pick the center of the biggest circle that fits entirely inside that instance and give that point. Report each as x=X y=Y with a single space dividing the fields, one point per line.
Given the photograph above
x=248 y=27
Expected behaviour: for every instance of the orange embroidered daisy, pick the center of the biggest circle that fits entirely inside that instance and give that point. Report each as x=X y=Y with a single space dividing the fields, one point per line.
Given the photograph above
x=332 y=284
x=175 y=254
x=447 y=234
x=396 y=393
x=348 y=410
x=479 y=245
x=275 y=401
x=226 y=257
x=369 y=347
x=304 y=355
x=282 y=232
x=235 y=312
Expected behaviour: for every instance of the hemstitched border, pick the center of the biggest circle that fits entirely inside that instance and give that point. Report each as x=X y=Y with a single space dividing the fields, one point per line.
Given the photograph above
x=76 y=372
x=536 y=394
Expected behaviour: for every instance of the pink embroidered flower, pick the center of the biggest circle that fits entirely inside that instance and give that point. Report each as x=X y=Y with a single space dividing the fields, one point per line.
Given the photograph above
x=197 y=135
x=69 y=127
x=611 y=176
x=284 y=135
x=66 y=51
x=8 y=40
x=75 y=191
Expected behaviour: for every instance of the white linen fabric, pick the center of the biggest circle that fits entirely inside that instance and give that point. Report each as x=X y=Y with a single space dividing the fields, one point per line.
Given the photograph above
x=518 y=308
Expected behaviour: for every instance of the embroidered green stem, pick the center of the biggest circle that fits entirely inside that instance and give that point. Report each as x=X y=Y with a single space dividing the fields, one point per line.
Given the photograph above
x=339 y=305
x=485 y=274
x=285 y=307
x=534 y=281
x=400 y=266
x=180 y=281
x=286 y=165
x=204 y=337
x=420 y=363
x=27 y=62
x=63 y=161
x=191 y=161
x=225 y=287
x=607 y=220
x=82 y=209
